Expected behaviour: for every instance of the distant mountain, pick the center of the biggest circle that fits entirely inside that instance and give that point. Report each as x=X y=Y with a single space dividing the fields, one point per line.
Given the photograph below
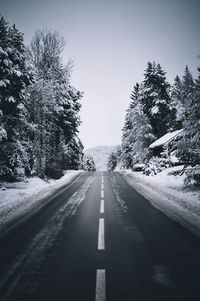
x=100 y=155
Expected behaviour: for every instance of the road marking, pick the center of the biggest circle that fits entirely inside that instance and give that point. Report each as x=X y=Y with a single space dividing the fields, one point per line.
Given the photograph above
x=102 y=206
x=102 y=186
x=100 y=285
x=101 y=241
x=102 y=193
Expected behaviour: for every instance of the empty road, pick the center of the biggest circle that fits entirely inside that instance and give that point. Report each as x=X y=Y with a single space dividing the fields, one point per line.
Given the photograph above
x=97 y=239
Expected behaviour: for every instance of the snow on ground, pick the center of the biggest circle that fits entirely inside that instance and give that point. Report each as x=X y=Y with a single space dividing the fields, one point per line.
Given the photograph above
x=19 y=198
x=167 y=193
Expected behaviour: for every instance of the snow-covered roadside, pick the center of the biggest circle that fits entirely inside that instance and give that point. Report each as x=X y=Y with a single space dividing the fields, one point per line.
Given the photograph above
x=166 y=192
x=20 y=198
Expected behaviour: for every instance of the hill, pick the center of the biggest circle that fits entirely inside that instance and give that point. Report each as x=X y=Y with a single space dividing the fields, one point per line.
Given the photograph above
x=100 y=155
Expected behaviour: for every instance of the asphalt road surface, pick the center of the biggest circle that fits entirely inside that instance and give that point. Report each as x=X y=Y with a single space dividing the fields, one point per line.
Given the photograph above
x=97 y=239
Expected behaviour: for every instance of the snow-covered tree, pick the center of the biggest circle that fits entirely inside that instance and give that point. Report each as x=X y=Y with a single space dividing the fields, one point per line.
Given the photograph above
x=73 y=154
x=54 y=105
x=142 y=134
x=137 y=131
x=112 y=161
x=187 y=87
x=128 y=129
x=39 y=109
x=156 y=99
x=14 y=127
x=88 y=163
x=177 y=102
x=45 y=52
x=189 y=146
x=180 y=96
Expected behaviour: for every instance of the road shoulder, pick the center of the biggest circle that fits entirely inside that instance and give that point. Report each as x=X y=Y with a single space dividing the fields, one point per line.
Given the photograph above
x=176 y=208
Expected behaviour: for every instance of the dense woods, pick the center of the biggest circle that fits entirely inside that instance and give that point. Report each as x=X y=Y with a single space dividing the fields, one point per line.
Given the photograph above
x=157 y=108
x=39 y=109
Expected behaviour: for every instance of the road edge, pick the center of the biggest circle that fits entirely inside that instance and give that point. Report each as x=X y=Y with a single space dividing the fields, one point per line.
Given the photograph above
x=43 y=202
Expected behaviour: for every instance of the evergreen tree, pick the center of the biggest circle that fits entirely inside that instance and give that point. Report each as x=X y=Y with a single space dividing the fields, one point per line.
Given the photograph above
x=88 y=163
x=142 y=133
x=189 y=146
x=177 y=102
x=137 y=131
x=134 y=96
x=187 y=86
x=156 y=100
x=14 y=78
x=128 y=129
x=180 y=96
x=112 y=161
x=73 y=154
x=187 y=90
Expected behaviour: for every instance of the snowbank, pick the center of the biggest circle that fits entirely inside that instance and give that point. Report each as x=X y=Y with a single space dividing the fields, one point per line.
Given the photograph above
x=16 y=199
x=166 y=192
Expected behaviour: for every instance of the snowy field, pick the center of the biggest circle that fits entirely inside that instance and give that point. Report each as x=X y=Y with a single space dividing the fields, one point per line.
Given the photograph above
x=167 y=193
x=19 y=198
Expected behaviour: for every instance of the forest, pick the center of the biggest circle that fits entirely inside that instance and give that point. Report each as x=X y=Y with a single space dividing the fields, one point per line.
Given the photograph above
x=157 y=108
x=39 y=108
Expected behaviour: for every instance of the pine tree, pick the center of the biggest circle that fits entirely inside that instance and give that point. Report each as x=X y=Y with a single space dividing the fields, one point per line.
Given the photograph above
x=14 y=78
x=156 y=100
x=187 y=89
x=189 y=146
x=134 y=96
x=128 y=129
x=137 y=132
x=177 y=102
x=73 y=154
x=180 y=96
x=187 y=85
x=112 y=161
x=88 y=163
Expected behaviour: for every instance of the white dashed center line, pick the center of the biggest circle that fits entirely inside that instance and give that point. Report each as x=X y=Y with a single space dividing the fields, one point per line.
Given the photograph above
x=102 y=207
x=100 y=285
x=101 y=274
x=101 y=240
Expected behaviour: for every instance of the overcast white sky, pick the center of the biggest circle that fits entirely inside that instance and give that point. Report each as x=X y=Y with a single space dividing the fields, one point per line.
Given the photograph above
x=110 y=42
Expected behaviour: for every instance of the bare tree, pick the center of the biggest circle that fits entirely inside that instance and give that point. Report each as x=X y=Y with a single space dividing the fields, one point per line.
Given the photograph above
x=45 y=50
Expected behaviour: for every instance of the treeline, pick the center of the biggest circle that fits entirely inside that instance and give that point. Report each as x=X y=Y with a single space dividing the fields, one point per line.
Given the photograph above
x=156 y=108
x=39 y=109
